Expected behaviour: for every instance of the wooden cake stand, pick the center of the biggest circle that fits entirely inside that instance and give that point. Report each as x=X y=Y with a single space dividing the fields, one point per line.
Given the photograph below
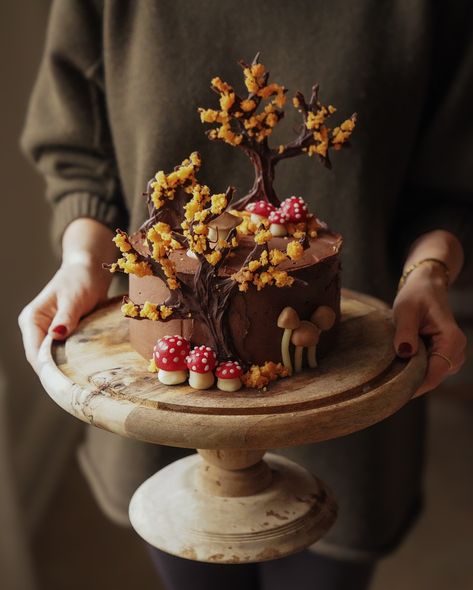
x=226 y=504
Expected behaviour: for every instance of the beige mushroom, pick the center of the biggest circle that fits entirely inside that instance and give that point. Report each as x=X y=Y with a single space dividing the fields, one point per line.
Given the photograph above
x=221 y=226
x=289 y=321
x=323 y=318
x=306 y=335
x=312 y=353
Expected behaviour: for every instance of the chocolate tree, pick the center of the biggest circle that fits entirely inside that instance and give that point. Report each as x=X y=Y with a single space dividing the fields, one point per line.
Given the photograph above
x=248 y=121
x=181 y=212
x=185 y=216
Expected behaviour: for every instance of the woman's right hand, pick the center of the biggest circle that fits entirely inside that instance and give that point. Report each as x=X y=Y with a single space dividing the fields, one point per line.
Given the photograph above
x=76 y=288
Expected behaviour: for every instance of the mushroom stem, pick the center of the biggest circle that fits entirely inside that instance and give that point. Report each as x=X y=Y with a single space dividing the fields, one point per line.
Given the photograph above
x=312 y=357
x=285 y=341
x=212 y=236
x=278 y=230
x=201 y=380
x=298 y=359
x=171 y=377
x=229 y=384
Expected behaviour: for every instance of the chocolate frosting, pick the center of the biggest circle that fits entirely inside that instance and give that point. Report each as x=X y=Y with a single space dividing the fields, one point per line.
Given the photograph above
x=251 y=317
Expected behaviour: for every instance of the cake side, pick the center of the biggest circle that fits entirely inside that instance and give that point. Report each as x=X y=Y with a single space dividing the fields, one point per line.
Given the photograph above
x=252 y=316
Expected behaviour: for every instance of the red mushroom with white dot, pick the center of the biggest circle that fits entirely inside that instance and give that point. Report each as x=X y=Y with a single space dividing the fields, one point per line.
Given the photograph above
x=295 y=209
x=169 y=356
x=278 y=220
x=259 y=210
x=201 y=362
x=229 y=376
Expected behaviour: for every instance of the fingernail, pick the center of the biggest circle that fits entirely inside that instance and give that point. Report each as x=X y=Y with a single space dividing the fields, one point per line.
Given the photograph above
x=404 y=349
x=60 y=330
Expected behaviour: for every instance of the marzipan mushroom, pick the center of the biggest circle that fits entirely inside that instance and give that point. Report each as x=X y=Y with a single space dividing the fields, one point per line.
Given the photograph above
x=228 y=376
x=324 y=318
x=221 y=226
x=306 y=336
x=259 y=211
x=289 y=321
x=278 y=220
x=201 y=362
x=169 y=355
x=295 y=209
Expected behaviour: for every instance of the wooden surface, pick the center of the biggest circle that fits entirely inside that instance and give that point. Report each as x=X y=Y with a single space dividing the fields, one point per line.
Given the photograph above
x=97 y=377
x=171 y=511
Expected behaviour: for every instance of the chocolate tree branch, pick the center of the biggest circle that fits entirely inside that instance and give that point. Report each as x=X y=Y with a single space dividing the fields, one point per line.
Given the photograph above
x=178 y=312
x=240 y=124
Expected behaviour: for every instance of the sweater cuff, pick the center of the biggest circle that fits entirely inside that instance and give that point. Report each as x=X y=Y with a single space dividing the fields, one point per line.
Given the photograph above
x=72 y=206
x=456 y=220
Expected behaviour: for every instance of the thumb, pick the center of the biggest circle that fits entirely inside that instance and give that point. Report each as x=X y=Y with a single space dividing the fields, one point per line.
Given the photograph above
x=406 y=321
x=66 y=319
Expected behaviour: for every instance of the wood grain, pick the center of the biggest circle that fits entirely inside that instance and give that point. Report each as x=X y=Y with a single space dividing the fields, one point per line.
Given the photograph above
x=98 y=377
x=171 y=511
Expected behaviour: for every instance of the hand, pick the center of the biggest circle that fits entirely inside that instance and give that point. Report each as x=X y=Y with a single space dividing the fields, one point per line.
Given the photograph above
x=77 y=287
x=74 y=290
x=422 y=308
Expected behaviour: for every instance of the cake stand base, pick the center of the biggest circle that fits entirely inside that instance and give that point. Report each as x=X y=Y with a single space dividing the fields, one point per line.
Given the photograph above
x=197 y=509
x=230 y=505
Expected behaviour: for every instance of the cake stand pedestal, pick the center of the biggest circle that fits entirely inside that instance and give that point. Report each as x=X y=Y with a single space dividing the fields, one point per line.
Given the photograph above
x=227 y=503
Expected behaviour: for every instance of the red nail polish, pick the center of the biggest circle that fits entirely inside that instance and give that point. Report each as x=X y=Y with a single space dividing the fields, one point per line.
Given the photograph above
x=404 y=349
x=60 y=330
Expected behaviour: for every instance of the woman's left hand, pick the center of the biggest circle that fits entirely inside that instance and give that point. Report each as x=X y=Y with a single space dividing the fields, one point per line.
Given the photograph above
x=421 y=308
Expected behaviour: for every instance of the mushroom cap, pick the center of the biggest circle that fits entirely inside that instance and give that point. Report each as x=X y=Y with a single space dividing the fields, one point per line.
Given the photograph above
x=278 y=217
x=323 y=317
x=229 y=370
x=201 y=359
x=306 y=335
x=225 y=222
x=288 y=319
x=295 y=208
x=170 y=352
x=261 y=208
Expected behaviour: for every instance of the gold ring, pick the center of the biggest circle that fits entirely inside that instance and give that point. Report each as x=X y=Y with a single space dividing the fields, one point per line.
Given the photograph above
x=444 y=357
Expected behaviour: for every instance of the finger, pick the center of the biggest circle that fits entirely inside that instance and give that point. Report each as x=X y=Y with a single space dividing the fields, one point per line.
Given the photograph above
x=66 y=318
x=437 y=371
x=450 y=344
x=406 y=321
x=458 y=364
x=33 y=331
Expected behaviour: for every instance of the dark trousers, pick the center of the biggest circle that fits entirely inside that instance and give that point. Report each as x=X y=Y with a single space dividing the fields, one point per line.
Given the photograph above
x=303 y=571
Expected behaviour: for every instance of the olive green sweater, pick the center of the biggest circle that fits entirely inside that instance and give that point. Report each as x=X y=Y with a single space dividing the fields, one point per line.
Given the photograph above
x=116 y=100
x=119 y=85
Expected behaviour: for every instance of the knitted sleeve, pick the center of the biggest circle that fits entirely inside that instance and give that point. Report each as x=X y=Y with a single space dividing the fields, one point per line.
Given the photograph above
x=66 y=133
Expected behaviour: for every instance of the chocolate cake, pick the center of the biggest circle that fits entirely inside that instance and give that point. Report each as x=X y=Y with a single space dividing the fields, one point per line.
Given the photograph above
x=253 y=285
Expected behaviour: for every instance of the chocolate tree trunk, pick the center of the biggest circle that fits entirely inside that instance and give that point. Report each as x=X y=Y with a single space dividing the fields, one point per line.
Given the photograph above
x=262 y=189
x=218 y=330
x=211 y=297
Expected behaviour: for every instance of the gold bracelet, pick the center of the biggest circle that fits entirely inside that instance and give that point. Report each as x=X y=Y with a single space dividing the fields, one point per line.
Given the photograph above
x=413 y=266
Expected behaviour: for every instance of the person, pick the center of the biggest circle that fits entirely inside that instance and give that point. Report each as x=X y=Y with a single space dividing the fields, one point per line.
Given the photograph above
x=115 y=100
